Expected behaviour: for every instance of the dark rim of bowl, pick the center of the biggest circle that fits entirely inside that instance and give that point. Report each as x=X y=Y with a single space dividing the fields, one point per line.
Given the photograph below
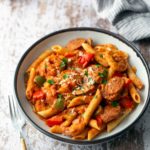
x=79 y=141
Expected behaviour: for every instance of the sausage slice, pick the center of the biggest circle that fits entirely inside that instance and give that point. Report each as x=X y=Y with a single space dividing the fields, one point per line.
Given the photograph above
x=113 y=88
x=111 y=113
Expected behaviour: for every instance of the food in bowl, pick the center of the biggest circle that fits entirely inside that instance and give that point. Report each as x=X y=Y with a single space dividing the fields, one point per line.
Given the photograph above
x=81 y=90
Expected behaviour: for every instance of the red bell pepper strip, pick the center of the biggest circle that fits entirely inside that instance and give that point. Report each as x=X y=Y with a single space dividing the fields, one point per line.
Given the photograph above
x=126 y=102
x=99 y=120
x=68 y=55
x=117 y=74
x=85 y=59
x=38 y=95
x=56 y=120
x=126 y=85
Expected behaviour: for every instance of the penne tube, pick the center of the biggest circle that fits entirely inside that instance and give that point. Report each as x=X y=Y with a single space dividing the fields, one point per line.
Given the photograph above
x=92 y=106
x=110 y=47
x=136 y=81
x=76 y=128
x=82 y=135
x=57 y=48
x=88 y=48
x=39 y=60
x=69 y=119
x=79 y=100
x=56 y=129
x=93 y=124
x=112 y=64
x=89 y=41
x=92 y=133
x=134 y=69
x=48 y=112
x=30 y=84
x=134 y=94
x=100 y=58
x=113 y=124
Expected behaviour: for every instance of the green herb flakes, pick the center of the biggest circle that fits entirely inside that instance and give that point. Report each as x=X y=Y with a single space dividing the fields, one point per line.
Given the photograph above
x=104 y=74
x=65 y=76
x=114 y=103
x=104 y=81
x=39 y=80
x=51 y=82
x=64 y=62
x=98 y=65
x=86 y=73
x=59 y=102
x=101 y=55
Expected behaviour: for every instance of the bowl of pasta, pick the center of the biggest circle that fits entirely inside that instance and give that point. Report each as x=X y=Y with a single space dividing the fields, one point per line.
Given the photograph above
x=82 y=85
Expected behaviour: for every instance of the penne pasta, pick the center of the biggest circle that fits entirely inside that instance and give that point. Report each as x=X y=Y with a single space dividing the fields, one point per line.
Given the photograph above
x=81 y=136
x=137 y=82
x=89 y=41
x=112 y=64
x=113 y=124
x=92 y=133
x=100 y=58
x=79 y=100
x=39 y=60
x=56 y=129
x=134 y=94
x=30 y=84
x=88 y=48
x=81 y=89
x=92 y=106
x=57 y=48
x=48 y=112
x=93 y=124
x=69 y=120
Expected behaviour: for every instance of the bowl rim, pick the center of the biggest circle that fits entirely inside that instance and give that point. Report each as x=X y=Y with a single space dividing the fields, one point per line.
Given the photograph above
x=71 y=141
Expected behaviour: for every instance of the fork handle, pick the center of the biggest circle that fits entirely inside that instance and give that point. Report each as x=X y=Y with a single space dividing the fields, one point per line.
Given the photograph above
x=23 y=144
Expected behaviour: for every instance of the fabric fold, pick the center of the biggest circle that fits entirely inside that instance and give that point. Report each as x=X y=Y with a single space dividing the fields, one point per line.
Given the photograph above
x=130 y=17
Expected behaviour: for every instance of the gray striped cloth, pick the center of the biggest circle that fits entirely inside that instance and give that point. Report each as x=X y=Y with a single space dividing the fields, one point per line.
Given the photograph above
x=130 y=17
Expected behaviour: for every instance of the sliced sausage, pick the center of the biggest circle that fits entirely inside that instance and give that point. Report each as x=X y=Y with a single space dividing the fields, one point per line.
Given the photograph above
x=93 y=73
x=121 y=60
x=113 y=88
x=110 y=113
x=75 y=44
x=122 y=65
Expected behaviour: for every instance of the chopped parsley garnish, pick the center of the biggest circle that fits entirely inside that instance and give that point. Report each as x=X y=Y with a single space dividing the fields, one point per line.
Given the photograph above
x=101 y=75
x=104 y=74
x=51 y=82
x=98 y=65
x=114 y=103
x=101 y=55
x=86 y=73
x=39 y=80
x=104 y=81
x=91 y=81
x=65 y=76
x=59 y=102
x=64 y=62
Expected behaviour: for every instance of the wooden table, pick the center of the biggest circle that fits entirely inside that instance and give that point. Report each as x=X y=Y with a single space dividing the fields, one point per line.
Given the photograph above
x=22 y=22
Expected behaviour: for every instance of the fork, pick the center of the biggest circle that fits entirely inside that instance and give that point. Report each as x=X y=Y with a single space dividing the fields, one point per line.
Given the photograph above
x=17 y=120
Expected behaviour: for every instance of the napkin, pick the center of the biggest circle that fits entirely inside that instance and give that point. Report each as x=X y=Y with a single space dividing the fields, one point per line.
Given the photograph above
x=130 y=17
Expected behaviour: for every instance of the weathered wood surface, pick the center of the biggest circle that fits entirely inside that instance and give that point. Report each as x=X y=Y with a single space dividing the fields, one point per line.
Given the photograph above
x=22 y=22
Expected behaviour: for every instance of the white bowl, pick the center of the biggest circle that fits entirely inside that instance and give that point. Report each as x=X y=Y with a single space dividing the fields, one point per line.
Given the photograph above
x=62 y=37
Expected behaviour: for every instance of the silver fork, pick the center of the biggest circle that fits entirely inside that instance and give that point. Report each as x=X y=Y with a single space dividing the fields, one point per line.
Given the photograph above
x=17 y=120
